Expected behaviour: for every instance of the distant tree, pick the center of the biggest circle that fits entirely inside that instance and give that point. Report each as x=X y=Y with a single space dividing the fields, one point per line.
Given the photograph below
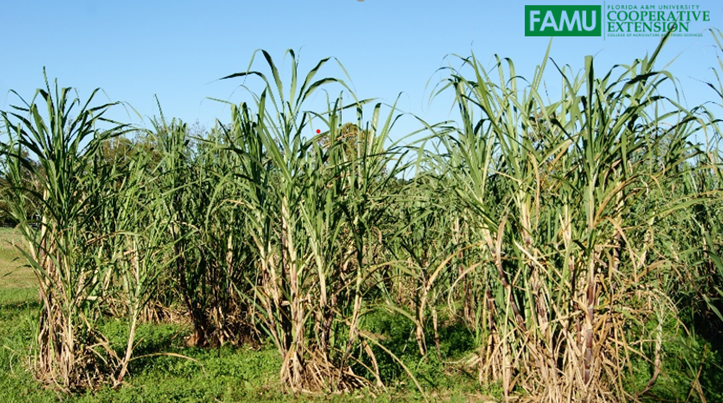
x=351 y=137
x=6 y=218
x=117 y=148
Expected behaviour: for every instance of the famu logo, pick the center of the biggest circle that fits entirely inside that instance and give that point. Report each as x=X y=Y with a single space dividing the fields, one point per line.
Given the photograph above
x=563 y=20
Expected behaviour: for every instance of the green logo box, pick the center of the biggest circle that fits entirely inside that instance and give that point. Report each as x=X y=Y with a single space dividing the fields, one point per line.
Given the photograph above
x=563 y=20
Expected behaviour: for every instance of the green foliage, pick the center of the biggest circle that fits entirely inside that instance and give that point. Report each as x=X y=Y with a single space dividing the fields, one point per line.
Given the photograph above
x=546 y=249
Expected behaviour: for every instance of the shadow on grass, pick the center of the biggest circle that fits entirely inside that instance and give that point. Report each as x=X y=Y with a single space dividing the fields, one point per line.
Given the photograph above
x=17 y=301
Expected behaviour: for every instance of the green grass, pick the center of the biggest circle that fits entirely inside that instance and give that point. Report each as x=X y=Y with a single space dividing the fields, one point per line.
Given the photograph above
x=13 y=273
x=247 y=374
x=207 y=375
x=226 y=374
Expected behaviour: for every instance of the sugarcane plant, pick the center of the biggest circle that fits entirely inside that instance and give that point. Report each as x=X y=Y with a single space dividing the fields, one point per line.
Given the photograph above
x=56 y=187
x=311 y=204
x=552 y=189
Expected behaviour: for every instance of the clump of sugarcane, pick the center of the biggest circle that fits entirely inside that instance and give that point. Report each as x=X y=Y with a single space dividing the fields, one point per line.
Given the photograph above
x=57 y=189
x=551 y=189
x=311 y=207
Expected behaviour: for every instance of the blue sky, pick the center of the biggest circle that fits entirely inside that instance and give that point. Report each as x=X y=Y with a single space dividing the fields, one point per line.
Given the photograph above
x=135 y=50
